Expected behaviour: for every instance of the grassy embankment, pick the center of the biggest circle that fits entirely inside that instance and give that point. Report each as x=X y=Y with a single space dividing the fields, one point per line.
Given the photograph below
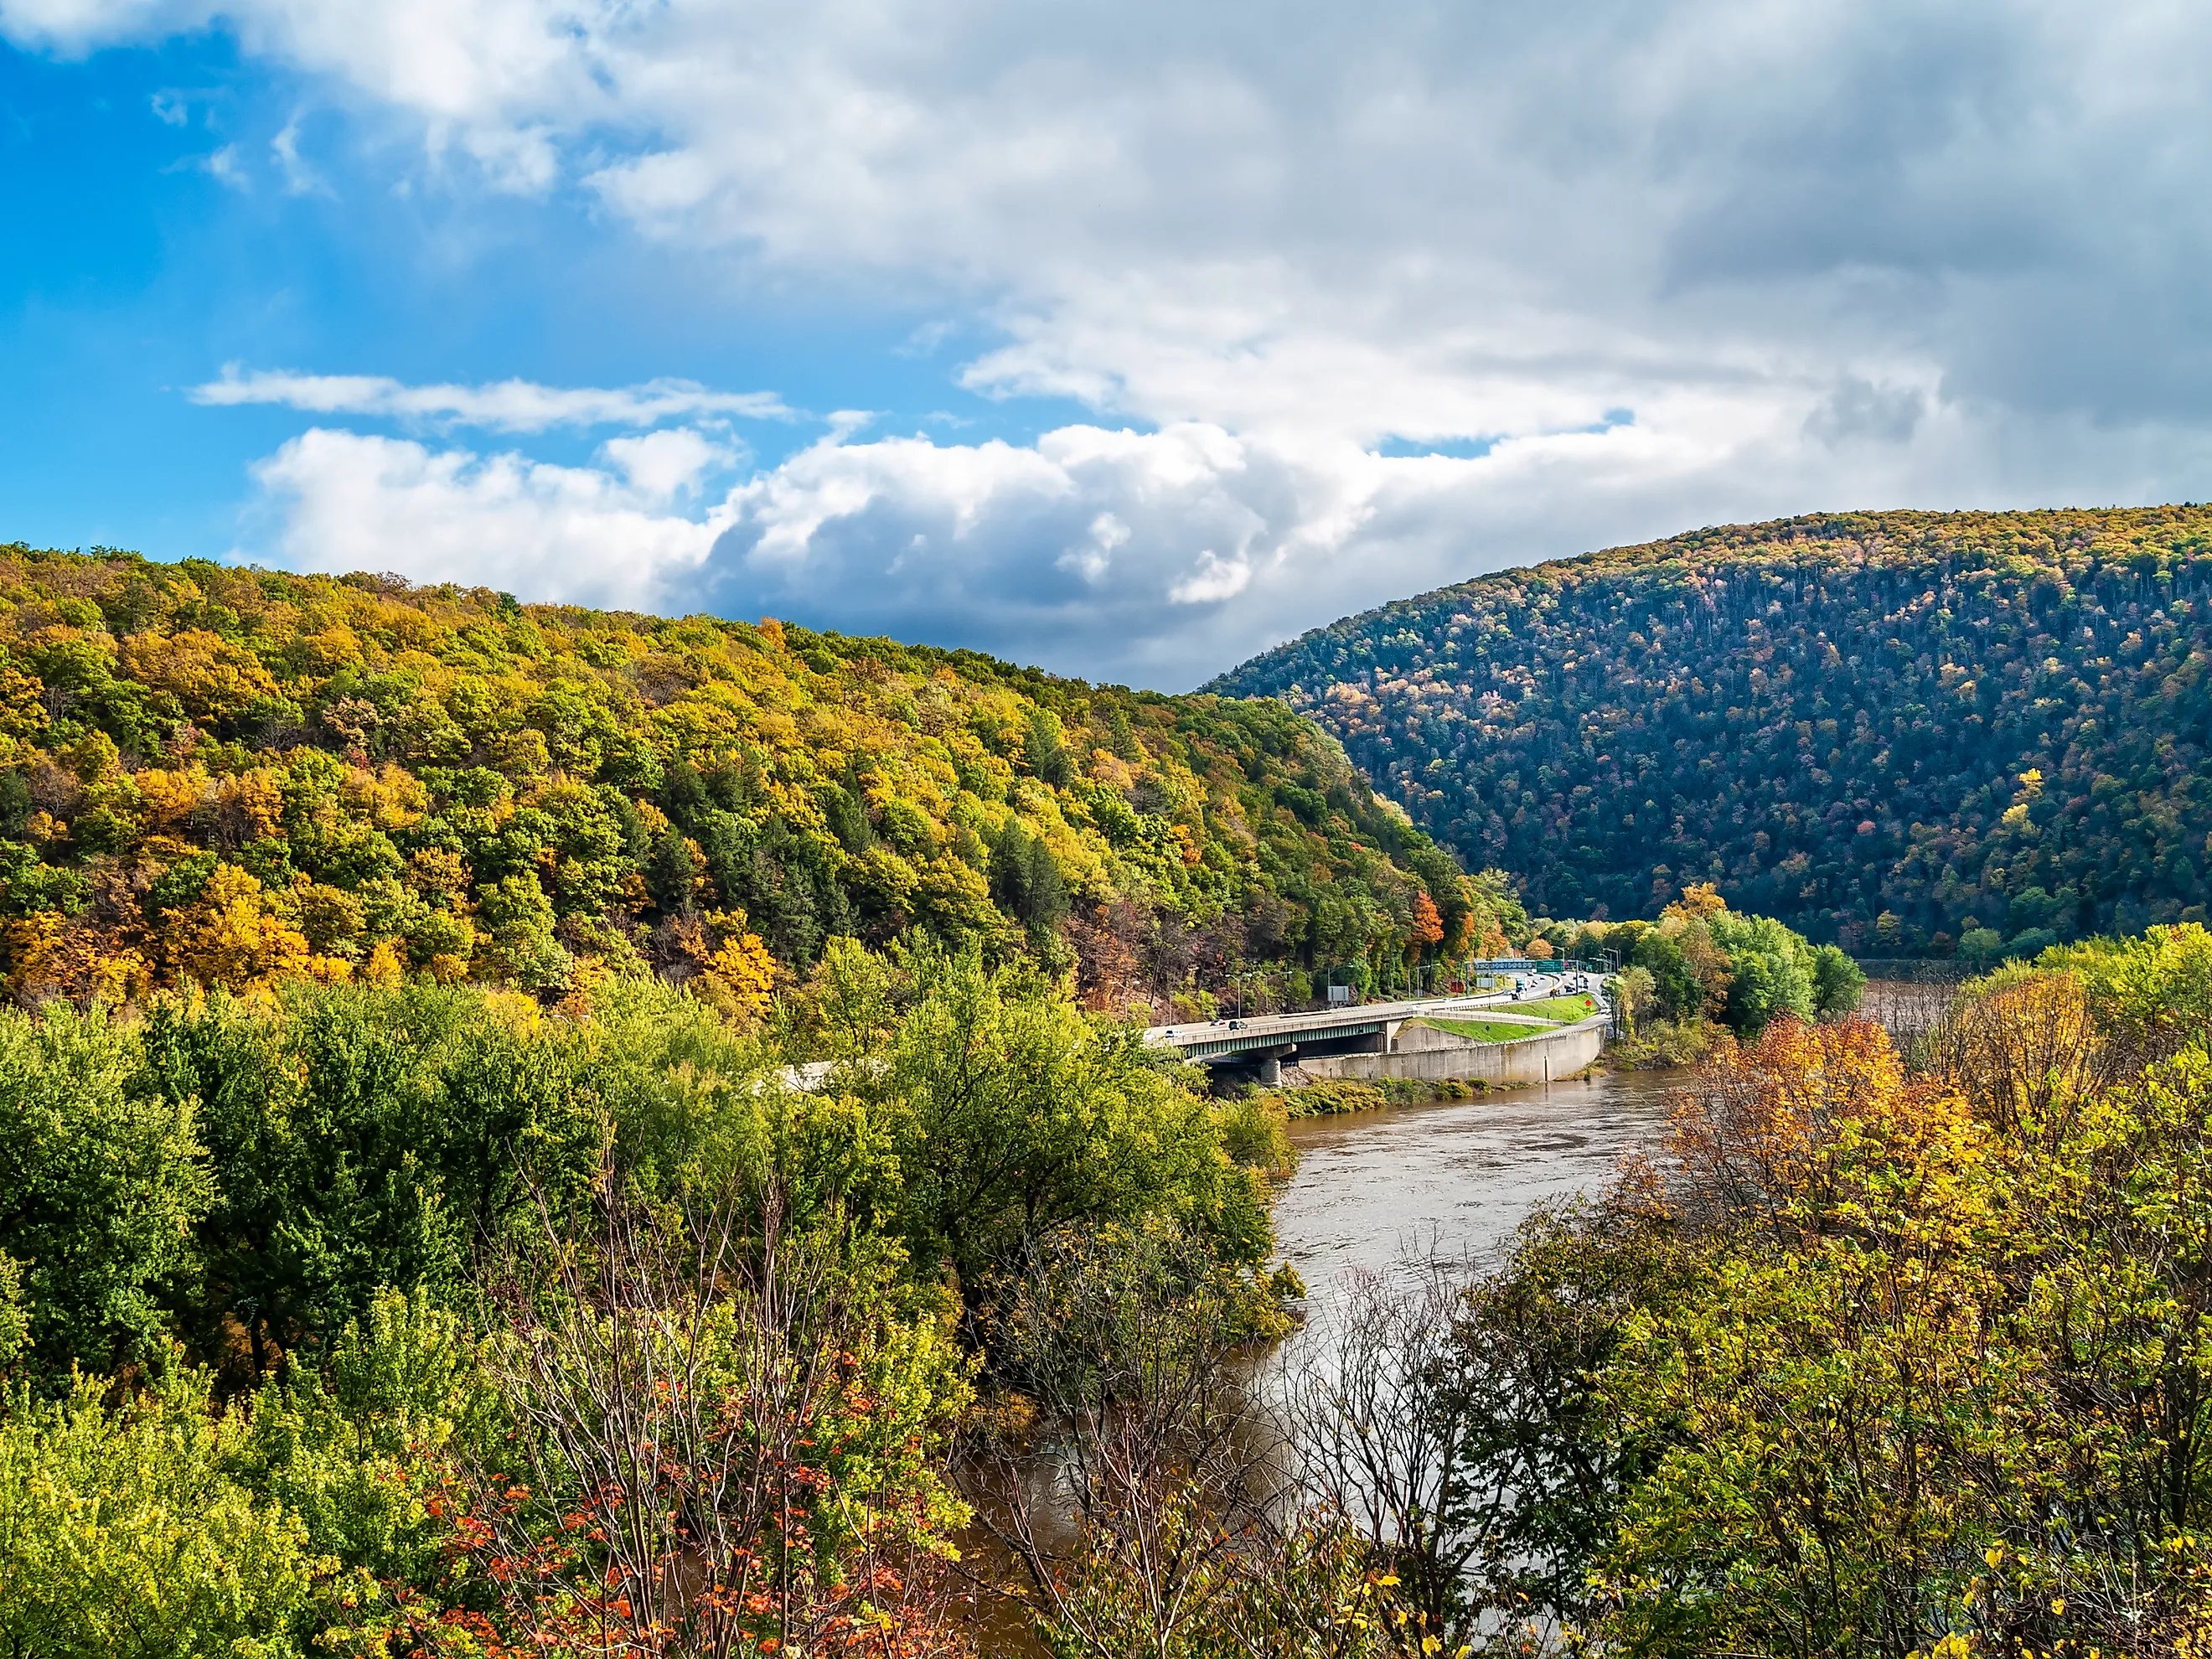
x=1553 y=1011
x=1489 y=1030
x=1339 y=1095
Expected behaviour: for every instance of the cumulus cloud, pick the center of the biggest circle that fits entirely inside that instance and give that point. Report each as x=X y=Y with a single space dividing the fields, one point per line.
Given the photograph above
x=345 y=500
x=504 y=406
x=1843 y=252
x=668 y=464
x=1154 y=558
x=1045 y=550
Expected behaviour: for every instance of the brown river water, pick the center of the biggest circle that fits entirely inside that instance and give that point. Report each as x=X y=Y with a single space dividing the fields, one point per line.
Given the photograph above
x=1454 y=1178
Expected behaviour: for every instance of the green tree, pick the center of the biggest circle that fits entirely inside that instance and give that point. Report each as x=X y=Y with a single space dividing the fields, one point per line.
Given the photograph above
x=1837 y=980
x=361 y=1138
x=1679 y=992
x=1980 y=945
x=1771 y=970
x=101 y=1181
x=124 y=1535
x=520 y=918
x=1044 y=747
x=996 y=1111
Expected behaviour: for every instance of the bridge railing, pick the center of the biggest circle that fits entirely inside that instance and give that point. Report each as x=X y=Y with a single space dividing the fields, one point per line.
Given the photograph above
x=1535 y=965
x=1460 y=978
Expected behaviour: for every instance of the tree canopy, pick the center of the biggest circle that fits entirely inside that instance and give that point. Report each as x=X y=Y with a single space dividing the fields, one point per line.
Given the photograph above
x=1900 y=731
x=231 y=777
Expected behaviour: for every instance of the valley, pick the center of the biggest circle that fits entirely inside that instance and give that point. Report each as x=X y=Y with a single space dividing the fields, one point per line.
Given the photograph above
x=539 y=1130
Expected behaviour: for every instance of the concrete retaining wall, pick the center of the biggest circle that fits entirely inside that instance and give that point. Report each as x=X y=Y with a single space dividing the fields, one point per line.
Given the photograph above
x=1555 y=1054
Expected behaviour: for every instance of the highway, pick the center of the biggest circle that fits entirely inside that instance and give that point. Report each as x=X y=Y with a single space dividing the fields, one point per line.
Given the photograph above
x=1229 y=1037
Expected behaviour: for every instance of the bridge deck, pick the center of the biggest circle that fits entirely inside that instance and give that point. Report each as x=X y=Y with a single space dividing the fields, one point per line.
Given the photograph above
x=1214 y=1040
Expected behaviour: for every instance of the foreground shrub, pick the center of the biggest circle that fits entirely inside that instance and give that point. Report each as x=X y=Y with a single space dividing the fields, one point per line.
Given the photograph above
x=124 y=1535
x=724 y=1439
x=1884 y=1361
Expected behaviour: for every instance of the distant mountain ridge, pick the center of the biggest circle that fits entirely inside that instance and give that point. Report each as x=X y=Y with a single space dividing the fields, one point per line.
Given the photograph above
x=1891 y=730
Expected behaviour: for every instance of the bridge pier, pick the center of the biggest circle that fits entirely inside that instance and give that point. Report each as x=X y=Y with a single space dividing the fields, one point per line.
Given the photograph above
x=1260 y=1064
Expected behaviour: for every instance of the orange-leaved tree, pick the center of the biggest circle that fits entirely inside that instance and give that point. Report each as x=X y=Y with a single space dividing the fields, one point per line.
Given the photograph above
x=1427 y=928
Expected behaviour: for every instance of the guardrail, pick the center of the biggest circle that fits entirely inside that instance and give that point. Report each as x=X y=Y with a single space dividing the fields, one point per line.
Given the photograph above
x=1534 y=966
x=1210 y=1047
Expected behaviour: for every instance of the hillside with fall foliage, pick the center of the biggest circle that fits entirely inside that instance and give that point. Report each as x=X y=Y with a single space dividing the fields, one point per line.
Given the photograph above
x=230 y=777
x=1902 y=732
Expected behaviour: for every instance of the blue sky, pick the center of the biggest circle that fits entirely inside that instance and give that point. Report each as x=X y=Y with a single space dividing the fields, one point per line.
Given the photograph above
x=1126 y=342
x=142 y=264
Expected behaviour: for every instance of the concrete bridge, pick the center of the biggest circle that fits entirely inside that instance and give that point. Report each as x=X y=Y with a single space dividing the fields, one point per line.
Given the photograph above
x=1265 y=1042
x=1369 y=1040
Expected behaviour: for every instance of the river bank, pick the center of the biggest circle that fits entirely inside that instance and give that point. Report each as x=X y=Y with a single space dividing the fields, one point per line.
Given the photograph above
x=1454 y=1176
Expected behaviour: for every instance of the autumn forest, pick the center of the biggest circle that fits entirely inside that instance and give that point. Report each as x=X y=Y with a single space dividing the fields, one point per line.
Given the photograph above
x=534 y=1130
x=231 y=777
x=1910 y=733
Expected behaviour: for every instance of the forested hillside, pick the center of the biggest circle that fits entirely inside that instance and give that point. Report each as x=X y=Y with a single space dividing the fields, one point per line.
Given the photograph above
x=1904 y=731
x=229 y=777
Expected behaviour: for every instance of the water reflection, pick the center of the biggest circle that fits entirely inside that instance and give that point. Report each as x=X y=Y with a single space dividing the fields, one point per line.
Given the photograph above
x=1451 y=1179
x=1456 y=1177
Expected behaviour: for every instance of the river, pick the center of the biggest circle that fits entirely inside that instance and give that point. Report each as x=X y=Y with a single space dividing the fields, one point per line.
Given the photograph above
x=1454 y=1176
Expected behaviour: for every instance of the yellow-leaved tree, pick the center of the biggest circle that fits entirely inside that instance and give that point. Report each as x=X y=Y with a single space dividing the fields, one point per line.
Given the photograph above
x=230 y=939
x=739 y=978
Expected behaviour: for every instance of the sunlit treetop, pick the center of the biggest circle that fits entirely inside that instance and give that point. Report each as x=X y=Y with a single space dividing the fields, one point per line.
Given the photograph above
x=230 y=775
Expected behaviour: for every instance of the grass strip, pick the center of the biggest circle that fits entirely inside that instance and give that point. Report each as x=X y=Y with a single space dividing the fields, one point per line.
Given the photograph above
x=1485 y=1030
x=1565 y=1009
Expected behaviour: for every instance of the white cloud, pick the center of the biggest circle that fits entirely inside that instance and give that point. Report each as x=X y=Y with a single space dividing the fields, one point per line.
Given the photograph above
x=663 y=465
x=1834 y=253
x=1159 y=558
x=1216 y=579
x=1152 y=557
x=500 y=77
x=342 y=501
x=300 y=178
x=222 y=166
x=505 y=406
x=1155 y=558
